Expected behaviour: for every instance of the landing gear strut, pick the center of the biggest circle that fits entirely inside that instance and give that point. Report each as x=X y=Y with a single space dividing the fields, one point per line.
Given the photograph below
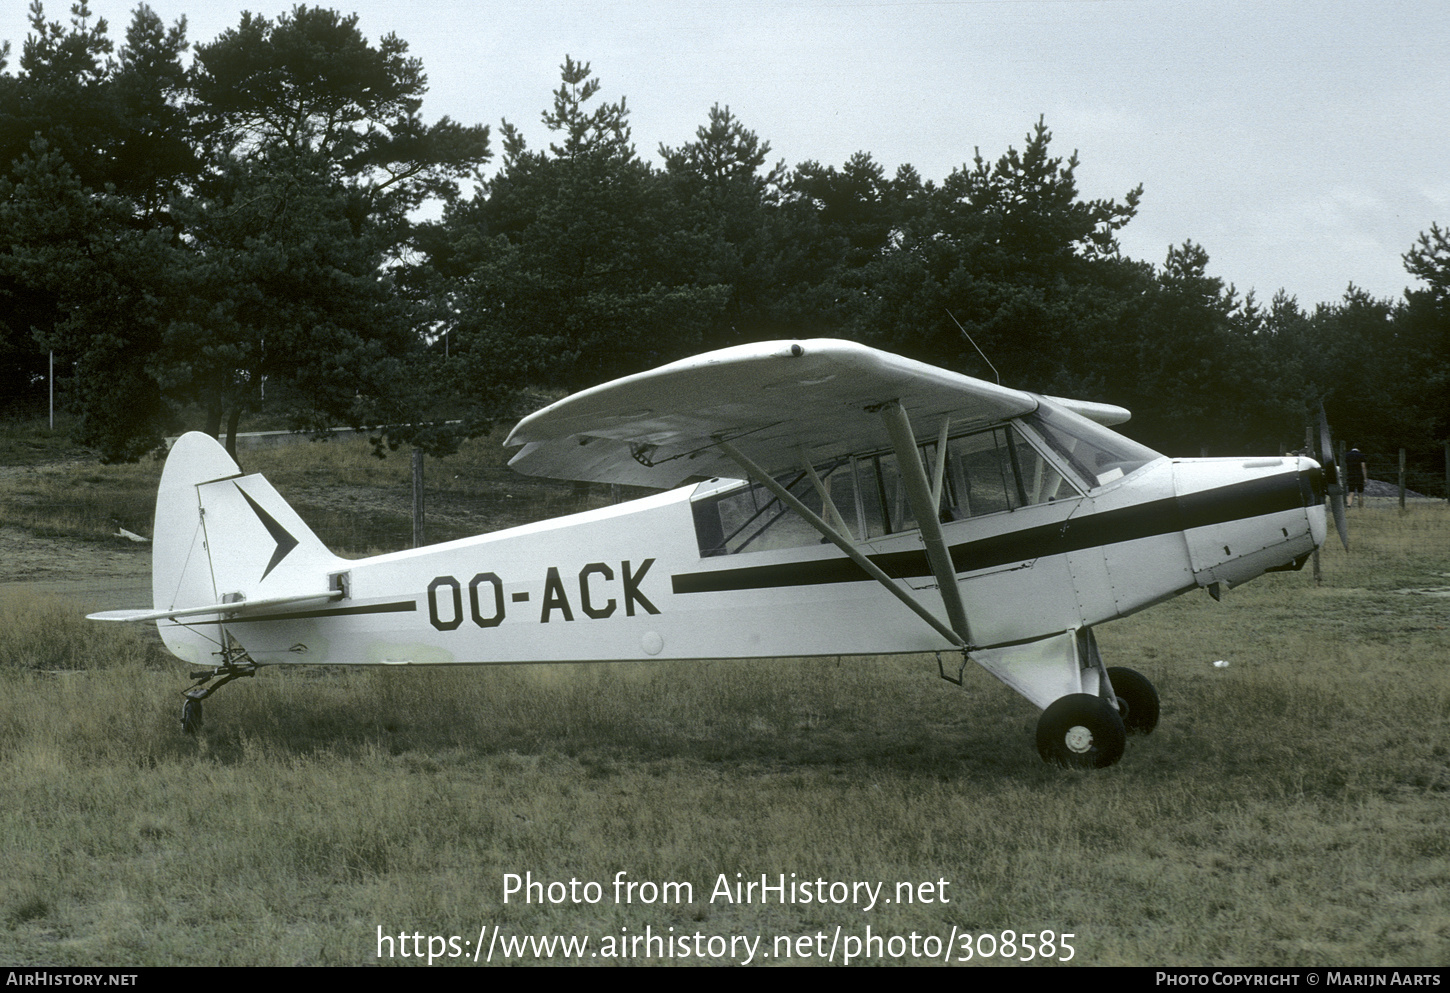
x=1089 y=730
x=236 y=666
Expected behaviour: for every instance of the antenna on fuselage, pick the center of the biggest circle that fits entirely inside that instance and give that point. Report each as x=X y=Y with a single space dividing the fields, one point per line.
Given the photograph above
x=974 y=345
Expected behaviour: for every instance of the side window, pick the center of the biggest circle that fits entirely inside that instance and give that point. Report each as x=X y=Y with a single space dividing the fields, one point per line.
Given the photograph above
x=979 y=475
x=992 y=471
x=749 y=518
x=987 y=472
x=871 y=497
x=898 y=513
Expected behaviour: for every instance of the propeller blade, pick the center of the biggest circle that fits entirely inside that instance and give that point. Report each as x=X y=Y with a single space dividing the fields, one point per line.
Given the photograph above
x=1341 y=524
x=1334 y=484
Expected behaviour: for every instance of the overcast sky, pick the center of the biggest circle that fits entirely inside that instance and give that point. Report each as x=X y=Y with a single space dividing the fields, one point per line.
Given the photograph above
x=1303 y=144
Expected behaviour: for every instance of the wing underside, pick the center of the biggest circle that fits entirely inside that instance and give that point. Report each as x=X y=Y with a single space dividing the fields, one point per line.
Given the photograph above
x=781 y=402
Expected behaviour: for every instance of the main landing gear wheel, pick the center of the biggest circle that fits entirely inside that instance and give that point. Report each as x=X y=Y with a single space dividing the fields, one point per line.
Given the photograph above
x=1137 y=700
x=1081 y=731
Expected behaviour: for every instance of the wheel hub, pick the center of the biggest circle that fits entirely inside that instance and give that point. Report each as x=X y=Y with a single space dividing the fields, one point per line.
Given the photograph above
x=1078 y=739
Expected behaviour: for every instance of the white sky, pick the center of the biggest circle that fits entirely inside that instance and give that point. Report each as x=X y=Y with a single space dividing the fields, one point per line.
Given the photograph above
x=1304 y=144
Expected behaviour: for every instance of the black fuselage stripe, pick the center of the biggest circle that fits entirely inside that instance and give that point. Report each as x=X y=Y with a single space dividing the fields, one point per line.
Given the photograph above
x=400 y=606
x=1256 y=498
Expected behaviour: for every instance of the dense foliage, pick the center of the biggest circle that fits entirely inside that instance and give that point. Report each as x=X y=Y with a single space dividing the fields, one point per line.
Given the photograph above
x=211 y=236
x=240 y=232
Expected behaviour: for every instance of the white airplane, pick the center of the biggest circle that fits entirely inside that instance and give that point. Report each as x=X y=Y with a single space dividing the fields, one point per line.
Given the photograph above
x=822 y=498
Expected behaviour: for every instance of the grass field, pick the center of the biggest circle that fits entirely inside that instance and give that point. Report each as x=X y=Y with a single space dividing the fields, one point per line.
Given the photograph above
x=1292 y=808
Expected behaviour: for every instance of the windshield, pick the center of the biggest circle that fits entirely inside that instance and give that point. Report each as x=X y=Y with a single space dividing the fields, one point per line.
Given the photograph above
x=1097 y=454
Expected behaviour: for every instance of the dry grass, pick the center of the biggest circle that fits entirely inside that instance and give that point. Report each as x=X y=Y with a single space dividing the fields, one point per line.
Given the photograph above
x=1290 y=809
x=34 y=442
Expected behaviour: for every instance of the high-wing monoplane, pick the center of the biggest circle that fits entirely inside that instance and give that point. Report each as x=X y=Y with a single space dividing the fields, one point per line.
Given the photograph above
x=818 y=498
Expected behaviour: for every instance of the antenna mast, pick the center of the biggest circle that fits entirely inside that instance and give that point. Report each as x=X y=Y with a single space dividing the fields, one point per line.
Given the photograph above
x=974 y=345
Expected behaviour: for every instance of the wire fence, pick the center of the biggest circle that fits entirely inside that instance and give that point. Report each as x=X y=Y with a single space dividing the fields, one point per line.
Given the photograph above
x=1424 y=475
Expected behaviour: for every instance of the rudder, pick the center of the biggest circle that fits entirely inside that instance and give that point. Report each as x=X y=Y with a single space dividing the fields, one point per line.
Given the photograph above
x=219 y=536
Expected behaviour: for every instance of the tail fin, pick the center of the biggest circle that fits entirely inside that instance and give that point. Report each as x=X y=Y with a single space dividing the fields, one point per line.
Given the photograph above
x=220 y=536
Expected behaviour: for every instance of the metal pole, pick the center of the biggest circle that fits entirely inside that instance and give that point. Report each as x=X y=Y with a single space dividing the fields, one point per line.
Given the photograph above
x=1402 y=479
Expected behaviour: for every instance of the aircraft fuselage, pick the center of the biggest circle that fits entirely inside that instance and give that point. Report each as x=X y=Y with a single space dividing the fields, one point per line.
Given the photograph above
x=630 y=582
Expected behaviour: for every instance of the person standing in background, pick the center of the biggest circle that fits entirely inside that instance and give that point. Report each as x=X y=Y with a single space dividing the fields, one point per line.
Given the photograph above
x=1356 y=475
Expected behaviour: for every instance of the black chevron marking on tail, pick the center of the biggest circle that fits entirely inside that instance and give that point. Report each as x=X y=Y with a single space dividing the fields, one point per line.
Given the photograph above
x=285 y=541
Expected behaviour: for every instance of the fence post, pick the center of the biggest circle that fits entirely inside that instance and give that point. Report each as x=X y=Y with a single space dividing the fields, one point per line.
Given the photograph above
x=1309 y=447
x=1402 y=479
x=417 y=497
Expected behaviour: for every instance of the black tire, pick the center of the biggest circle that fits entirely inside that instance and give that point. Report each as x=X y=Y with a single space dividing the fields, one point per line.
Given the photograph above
x=1137 y=700
x=1081 y=731
x=191 y=716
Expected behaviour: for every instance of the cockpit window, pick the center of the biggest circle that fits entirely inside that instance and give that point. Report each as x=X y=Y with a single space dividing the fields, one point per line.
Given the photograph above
x=864 y=497
x=1095 y=453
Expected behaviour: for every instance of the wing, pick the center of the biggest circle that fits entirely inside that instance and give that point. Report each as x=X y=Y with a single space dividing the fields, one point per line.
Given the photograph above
x=771 y=399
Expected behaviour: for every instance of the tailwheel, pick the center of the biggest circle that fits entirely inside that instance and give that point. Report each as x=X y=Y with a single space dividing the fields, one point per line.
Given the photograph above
x=1137 y=700
x=1081 y=731
x=236 y=666
x=191 y=716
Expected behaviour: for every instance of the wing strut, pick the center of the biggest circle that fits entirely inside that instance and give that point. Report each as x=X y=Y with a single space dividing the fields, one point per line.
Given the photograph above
x=828 y=506
x=919 y=492
x=843 y=542
x=941 y=462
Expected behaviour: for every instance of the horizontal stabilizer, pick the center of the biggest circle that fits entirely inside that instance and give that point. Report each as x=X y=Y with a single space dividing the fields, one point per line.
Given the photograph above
x=236 y=608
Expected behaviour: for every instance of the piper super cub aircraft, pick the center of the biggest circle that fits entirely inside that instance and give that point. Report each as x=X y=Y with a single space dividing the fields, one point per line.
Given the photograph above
x=823 y=498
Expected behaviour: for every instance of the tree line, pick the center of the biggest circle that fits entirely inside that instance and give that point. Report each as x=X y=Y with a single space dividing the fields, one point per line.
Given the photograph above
x=272 y=226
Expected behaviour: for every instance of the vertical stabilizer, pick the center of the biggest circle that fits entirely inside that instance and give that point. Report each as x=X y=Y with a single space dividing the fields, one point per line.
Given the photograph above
x=223 y=536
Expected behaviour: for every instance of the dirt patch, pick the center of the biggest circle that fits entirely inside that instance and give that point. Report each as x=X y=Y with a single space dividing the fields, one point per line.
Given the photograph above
x=1427 y=591
x=9 y=473
x=97 y=575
